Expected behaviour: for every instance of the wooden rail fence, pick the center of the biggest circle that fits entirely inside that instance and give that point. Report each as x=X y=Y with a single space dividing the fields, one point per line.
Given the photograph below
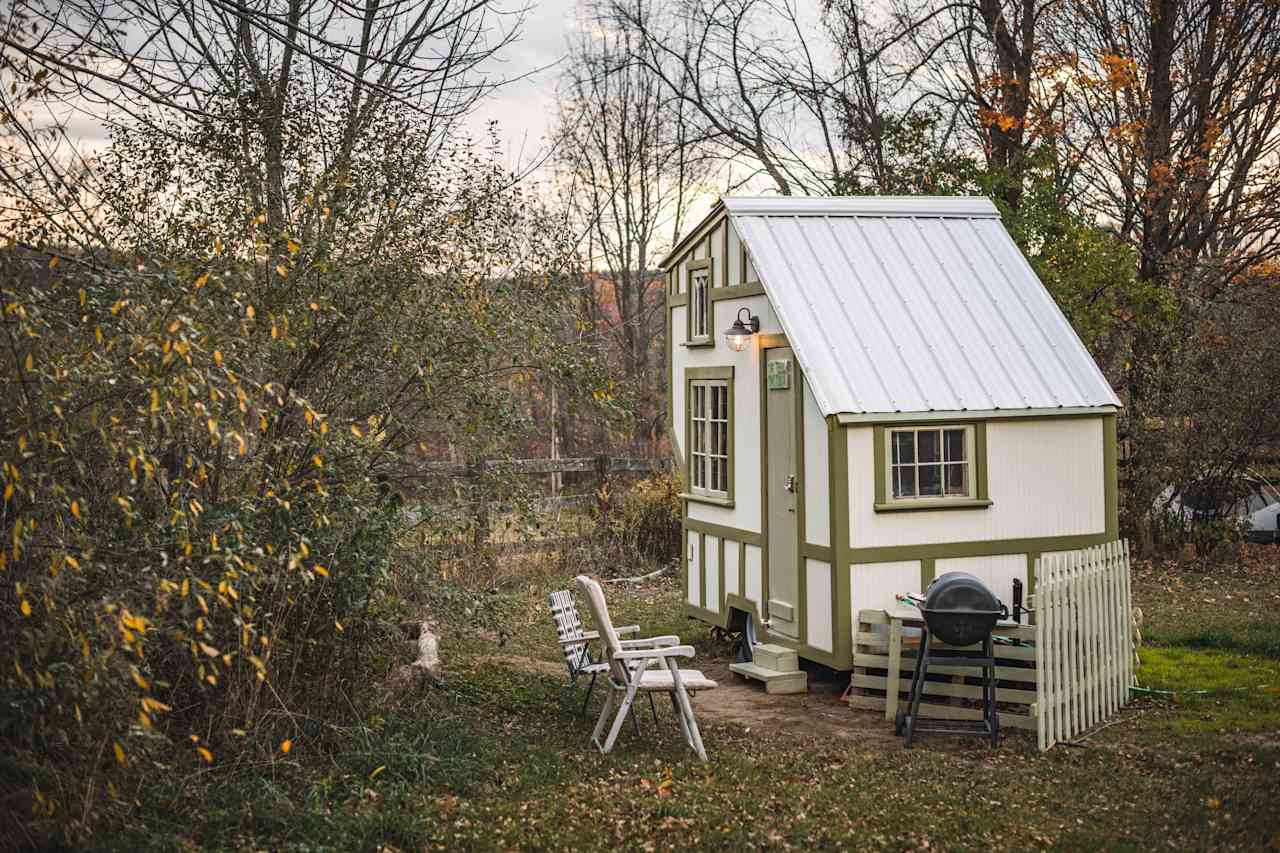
x=1083 y=637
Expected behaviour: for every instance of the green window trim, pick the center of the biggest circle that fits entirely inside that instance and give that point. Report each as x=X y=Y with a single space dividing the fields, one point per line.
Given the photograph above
x=694 y=375
x=691 y=269
x=978 y=496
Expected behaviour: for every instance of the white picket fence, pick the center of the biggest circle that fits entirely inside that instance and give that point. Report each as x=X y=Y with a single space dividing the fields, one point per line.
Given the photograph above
x=1083 y=639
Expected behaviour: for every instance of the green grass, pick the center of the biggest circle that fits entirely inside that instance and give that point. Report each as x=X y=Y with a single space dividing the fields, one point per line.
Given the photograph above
x=498 y=760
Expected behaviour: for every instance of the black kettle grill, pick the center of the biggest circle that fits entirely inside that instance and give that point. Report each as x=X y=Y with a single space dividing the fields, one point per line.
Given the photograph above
x=961 y=612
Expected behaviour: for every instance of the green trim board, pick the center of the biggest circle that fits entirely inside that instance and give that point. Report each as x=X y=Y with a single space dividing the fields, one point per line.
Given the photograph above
x=718 y=374
x=737 y=291
x=840 y=537
x=979 y=499
x=975 y=548
x=746 y=537
x=1110 y=476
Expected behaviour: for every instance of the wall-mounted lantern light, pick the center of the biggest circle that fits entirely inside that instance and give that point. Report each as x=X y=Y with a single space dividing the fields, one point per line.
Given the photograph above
x=740 y=332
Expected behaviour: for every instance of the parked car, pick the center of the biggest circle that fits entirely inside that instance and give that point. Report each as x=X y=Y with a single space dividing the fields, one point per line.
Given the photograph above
x=1249 y=499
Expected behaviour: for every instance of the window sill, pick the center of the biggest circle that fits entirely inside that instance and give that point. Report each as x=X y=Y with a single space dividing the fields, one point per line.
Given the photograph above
x=700 y=342
x=706 y=499
x=940 y=503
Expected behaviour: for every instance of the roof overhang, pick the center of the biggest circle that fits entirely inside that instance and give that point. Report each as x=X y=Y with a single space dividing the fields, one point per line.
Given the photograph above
x=698 y=232
x=966 y=207
x=972 y=415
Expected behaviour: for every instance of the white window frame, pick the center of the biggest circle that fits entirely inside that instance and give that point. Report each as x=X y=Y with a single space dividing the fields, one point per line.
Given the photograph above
x=970 y=463
x=707 y=445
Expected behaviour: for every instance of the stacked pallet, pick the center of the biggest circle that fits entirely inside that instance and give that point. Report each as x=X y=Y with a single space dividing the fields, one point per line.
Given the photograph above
x=884 y=662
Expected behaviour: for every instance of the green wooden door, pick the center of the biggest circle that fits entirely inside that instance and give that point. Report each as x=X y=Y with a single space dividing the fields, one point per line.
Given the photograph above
x=782 y=385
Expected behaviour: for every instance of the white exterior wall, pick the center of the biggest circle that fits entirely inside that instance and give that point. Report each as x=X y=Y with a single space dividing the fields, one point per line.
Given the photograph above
x=817 y=485
x=997 y=572
x=875 y=584
x=818 y=605
x=1045 y=477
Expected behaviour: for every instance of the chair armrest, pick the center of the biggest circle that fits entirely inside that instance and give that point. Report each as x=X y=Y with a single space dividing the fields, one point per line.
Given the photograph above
x=668 y=652
x=626 y=629
x=586 y=637
x=652 y=642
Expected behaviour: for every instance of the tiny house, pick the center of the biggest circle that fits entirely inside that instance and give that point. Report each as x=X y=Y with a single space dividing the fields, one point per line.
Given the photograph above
x=865 y=393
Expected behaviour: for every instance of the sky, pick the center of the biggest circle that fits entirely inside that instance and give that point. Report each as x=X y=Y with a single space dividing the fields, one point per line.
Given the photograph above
x=525 y=109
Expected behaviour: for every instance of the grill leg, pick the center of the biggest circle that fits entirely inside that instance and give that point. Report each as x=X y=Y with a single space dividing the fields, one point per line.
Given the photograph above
x=917 y=687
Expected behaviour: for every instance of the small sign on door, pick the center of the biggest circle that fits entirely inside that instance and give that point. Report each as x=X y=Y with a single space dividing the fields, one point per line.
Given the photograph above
x=778 y=374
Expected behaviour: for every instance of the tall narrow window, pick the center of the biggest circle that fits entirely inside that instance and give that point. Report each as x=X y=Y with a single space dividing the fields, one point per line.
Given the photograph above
x=931 y=463
x=700 y=278
x=710 y=439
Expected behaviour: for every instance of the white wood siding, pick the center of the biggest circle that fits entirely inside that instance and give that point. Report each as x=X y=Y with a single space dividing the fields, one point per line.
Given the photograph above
x=817 y=486
x=694 y=593
x=755 y=577
x=711 y=572
x=874 y=585
x=731 y=570
x=996 y=572
x=817 y=597
x=1045 y=478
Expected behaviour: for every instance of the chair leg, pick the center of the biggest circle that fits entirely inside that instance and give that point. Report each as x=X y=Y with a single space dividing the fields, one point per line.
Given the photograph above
x=694 y=735
x=623 y=709
x=653 y=709
x=587 y=700
x=675 y=709
x=604 y=716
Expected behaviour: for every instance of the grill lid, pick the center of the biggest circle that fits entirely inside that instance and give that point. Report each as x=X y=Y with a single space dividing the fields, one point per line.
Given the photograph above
x=959 y=609
x=960 y=591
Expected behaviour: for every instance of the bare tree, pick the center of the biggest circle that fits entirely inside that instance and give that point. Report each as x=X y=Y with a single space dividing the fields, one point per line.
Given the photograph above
x=629 y=165
x=116 y=61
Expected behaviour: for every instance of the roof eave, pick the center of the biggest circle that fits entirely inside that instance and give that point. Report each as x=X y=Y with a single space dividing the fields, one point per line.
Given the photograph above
x=854 y=418
x=680 y=247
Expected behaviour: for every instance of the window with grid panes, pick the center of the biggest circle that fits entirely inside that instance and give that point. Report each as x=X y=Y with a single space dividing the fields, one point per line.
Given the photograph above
x=931 y=463
x=709 y=437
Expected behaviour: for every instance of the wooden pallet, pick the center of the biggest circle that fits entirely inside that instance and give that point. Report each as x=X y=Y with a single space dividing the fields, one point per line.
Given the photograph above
x=952 y=693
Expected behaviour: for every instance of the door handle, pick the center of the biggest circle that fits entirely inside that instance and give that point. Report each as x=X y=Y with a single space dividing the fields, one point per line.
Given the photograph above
x=791 y=484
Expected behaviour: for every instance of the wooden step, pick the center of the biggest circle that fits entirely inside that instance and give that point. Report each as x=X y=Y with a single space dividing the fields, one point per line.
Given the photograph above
x=795 y=681
x=776 y=657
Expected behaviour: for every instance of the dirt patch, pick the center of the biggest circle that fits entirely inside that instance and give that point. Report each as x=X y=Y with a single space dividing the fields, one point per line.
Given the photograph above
x=802 y=716
x=816 y=714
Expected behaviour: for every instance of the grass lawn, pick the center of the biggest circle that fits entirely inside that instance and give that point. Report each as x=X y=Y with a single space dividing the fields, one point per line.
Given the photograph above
x=497 y=760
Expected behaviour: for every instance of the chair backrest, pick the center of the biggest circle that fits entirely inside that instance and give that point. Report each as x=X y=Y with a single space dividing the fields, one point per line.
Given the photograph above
x=569 y=627
x=600 y=617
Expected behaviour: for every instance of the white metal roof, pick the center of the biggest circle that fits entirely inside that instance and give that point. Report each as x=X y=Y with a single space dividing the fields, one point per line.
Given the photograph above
x=914 y=304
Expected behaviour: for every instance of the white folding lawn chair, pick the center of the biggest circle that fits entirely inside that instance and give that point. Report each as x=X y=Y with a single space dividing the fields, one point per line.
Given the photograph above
x=576 y=645
x=629 y=673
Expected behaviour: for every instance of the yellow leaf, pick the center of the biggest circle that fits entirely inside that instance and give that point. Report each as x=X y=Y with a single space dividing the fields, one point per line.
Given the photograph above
x=205 y=754
x=72 y=561
x=138 y=679
x=285 y=746
x=338 y=625
x=186 y=587
x=26 y=607
x=155 y=400
x=249 y=312
x=355 y=430
x=217 y=246
x=75 y=508
x=1213 y=803
x=8 y=491
x=217 y=357
x=209 y=650
x=294 y=246
x=321 y=570
x=54 y=261
x=120 y=757
x=377 y=770
x=202 y=281
x=281 y=271
x=30 y=363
